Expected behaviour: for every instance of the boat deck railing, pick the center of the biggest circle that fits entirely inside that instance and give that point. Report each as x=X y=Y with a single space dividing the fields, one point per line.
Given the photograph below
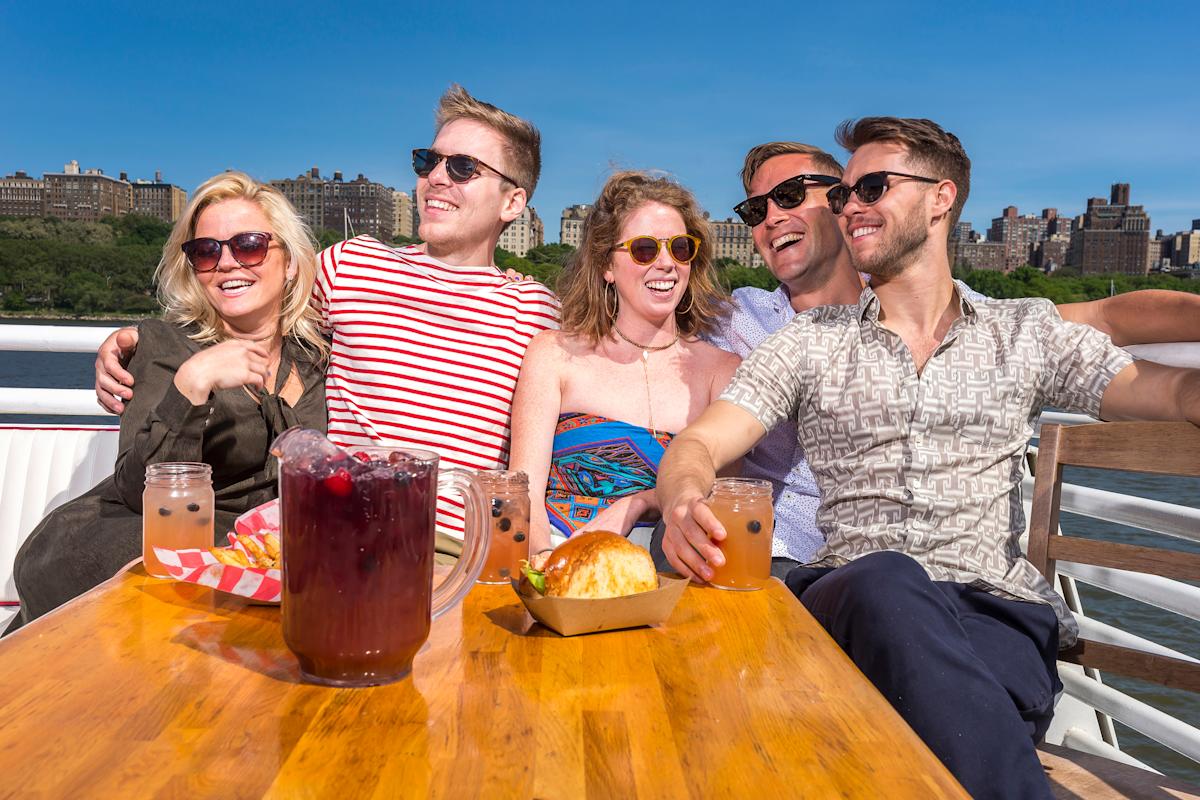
x=1083 y=688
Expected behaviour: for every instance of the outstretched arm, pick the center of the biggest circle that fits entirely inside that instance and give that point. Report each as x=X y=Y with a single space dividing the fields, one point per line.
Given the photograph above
x=723 y=433
x=1148 y=391
x=1143 y=317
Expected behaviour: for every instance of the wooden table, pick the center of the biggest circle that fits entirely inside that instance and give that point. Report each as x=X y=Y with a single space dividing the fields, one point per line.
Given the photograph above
x=145 y=688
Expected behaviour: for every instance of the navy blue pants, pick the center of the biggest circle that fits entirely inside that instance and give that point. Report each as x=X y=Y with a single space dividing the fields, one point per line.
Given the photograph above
x=973 y=674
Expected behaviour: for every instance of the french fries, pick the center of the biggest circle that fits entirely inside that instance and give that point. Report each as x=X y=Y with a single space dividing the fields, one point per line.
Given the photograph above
x=251 y=554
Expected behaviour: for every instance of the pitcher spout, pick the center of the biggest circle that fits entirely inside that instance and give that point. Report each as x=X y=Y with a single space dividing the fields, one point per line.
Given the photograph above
x=303 y=444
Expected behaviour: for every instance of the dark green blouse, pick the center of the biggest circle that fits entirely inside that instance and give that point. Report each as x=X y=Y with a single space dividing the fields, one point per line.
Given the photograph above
x=89 y=539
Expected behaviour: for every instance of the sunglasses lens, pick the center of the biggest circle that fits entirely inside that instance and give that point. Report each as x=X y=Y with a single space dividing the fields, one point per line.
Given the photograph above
x=789 y=194
x=250 y=249
x=424 y=161
x=643 y=250
x=752 y=210
x=870 y=187
x=460 y=168
x=202 y=254
x=837 y=197
x=683 y=249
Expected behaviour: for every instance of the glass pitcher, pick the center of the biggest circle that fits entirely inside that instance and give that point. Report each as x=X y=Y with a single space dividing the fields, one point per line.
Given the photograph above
x=358 y=544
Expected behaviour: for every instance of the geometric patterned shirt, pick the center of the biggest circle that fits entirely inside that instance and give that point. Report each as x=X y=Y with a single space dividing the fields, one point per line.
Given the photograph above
x=928 y=464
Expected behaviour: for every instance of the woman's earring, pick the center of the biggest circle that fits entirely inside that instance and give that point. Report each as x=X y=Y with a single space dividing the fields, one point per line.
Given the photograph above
x=611 y=308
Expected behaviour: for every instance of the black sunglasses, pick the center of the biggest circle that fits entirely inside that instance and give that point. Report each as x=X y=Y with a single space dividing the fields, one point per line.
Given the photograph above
x=460 y=168
x=869 y=188
x=248 y=249
x=789 y=194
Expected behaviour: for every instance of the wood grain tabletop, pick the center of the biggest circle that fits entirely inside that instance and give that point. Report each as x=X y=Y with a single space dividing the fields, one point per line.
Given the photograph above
x=145 y=688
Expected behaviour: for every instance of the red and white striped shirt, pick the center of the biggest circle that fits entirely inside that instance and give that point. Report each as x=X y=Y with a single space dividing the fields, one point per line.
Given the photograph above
x=425 y=354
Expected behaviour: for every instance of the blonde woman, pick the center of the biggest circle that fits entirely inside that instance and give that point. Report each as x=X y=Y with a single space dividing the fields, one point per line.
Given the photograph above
x=598 y=401
x=236 y=359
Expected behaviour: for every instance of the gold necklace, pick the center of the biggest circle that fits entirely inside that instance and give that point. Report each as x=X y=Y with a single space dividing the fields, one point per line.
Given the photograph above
x=646 y=351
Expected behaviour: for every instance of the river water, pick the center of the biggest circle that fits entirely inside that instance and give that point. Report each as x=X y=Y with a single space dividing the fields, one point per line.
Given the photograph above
x=74 y=370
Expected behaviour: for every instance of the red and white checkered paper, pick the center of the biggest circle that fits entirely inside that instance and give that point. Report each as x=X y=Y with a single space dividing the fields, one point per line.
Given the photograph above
x=260 y=519
x=201 y=567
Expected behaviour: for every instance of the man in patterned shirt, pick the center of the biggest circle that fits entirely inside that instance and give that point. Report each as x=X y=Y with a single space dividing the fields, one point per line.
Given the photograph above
x=915 y=405
x=798 y=238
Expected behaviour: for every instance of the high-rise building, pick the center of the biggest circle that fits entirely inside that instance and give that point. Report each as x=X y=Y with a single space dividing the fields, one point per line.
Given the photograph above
x=402 y=205
x=22 y=195
x=570 y=229
x=734 y=239
x=1050 y=254
x=306 y=193
x=979 y=255
x=88 y=195
x=1182 y=249
x=361 y=205
x=962 y=232
x=416 y=215
x=164 y=201
x=1019 y=234
x=523 y=233
x=1114 y=236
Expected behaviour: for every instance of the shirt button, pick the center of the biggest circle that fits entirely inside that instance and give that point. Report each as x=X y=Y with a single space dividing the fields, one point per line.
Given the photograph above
x=919 y=438
x=916 y=484
x=907 y=495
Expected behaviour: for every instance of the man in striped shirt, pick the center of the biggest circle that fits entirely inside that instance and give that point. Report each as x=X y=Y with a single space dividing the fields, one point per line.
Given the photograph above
x=428 y=339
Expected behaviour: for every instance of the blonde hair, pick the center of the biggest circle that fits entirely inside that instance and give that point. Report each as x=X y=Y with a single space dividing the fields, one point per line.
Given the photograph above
x=522 y=142
x=585 y=306
x=183 y=298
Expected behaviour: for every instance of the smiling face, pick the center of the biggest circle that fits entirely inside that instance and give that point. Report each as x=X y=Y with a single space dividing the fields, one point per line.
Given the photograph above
x=651 y=292
x=248 y=299
x=800 y=245
x=460 y=220
x=886 y=237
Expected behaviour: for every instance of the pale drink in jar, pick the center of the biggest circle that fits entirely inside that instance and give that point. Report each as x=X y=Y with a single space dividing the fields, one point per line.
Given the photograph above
x=177 y=511
x=744 y=507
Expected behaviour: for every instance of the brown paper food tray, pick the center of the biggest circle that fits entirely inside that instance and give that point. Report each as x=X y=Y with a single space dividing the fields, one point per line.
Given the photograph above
x=570 y=616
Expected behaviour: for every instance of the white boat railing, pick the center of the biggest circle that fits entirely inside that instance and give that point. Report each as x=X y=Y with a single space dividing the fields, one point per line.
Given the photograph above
x=51 y=339
x=1082 y=685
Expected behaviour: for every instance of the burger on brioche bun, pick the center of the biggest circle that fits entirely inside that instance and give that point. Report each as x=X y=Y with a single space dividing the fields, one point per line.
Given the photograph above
x=594 y=566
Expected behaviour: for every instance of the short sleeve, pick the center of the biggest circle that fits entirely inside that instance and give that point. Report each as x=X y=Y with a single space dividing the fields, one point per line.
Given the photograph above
x=327 y=268
x=770 y=381
x=1079 y=362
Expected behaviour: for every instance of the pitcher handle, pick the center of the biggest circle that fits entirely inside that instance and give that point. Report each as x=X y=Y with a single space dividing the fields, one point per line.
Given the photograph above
x=475 y=540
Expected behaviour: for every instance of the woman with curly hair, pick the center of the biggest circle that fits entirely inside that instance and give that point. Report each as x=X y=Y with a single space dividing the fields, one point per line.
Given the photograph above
x=598 y=401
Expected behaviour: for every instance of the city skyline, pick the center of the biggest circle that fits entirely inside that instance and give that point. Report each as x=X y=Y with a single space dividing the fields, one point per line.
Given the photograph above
x=1053 y=105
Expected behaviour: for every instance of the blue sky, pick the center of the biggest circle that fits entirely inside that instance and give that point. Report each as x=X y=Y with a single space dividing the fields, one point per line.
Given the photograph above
x=1054 y=102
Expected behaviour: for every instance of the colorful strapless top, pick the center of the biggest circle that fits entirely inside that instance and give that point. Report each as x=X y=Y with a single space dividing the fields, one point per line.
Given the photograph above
x=597 y=460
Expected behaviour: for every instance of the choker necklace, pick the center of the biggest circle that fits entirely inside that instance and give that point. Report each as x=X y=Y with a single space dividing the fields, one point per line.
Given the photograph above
x=645 y=348
x=646 y=351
